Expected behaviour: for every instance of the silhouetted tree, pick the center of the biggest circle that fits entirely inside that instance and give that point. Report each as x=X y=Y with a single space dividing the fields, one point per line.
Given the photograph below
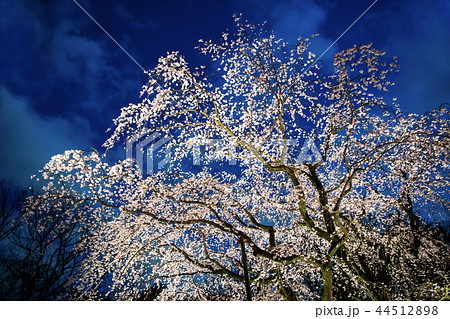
x=39 y=255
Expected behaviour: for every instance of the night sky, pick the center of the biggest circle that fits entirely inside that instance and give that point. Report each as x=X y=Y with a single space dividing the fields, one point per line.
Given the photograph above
x=62 y=80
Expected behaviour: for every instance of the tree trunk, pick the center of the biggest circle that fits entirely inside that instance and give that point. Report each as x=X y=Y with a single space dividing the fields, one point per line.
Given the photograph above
x=327 y=274
x=244 y=263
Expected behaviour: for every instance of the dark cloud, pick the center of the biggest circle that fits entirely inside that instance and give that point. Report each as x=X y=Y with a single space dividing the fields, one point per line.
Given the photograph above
x=419 y=36
x=29 y=140
x=60 y=88
x=72 y=57
x=56 y=64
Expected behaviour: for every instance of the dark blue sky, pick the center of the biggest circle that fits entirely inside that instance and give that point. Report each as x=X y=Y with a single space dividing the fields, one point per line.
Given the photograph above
x=62 y=80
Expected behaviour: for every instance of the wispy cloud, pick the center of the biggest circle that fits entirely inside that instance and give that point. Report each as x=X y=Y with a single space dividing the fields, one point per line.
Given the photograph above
x=290 y=19
x=132 y=20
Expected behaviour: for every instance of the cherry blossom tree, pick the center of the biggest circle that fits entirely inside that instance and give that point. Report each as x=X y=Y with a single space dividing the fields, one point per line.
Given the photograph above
x=288 y=225
x=409 y=261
